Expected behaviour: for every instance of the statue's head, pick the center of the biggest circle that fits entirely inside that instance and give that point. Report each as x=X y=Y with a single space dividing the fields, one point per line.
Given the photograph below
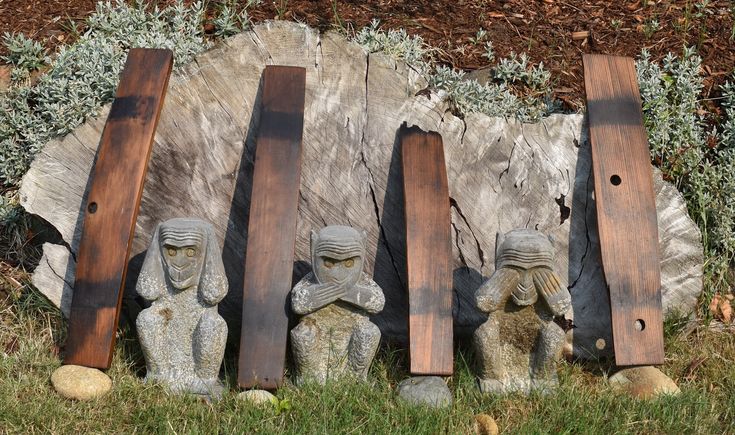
x=183 y=254
x=182 y=245
x=525 y=251
x=337 y=254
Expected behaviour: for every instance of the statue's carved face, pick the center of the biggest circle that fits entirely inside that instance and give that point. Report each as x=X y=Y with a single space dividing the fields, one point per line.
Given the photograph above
x=183 y=256
x=526 y=251
x=342 y=271
x=337 y=255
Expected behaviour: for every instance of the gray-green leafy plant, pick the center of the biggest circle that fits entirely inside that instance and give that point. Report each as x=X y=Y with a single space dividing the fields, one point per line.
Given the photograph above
x=517 y=89
x=82 y=77
x=23 y=52
x=698 y=159
x=229 y=21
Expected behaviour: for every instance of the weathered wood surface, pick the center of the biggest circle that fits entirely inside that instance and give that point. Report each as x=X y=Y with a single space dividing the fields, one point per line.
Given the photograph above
x=626 y=208
x=428 y=252
x=502 y=175
x=272 y=229
x=110 y=211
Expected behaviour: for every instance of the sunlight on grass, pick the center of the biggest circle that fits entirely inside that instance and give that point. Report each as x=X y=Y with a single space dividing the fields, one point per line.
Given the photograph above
x=30 y=330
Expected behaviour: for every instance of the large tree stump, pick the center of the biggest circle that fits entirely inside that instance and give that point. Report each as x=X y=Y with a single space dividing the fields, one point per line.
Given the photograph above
x=502 y=175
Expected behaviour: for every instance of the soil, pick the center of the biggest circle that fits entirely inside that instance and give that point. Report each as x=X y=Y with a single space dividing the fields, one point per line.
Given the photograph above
x=554 y=32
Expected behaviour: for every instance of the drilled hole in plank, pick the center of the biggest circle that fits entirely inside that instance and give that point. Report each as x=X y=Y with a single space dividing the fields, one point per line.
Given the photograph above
x=640 y=325
x=92 y=207
x=616 y=180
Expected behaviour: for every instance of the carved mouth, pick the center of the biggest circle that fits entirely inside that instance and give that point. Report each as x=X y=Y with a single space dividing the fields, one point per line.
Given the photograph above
x=180 y=277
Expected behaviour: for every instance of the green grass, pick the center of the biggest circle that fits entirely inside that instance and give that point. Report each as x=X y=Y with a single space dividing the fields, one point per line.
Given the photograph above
x=30 y=329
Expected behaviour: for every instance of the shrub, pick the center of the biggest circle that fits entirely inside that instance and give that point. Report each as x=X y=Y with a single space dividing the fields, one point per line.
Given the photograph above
x=698 y=159
x=81 y=79
x=23 y=52
x=517 y=90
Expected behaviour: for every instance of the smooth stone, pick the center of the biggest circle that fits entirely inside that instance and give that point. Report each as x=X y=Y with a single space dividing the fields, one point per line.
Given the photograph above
x=425 y=390
x=80 y=383
x=644 y=382
x=258 y=397
x=486 y=425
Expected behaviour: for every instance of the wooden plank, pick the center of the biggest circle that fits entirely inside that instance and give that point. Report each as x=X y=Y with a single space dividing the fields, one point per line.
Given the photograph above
x=428 y=252
x=626 y=208
x=272 y=229
x=112 y=207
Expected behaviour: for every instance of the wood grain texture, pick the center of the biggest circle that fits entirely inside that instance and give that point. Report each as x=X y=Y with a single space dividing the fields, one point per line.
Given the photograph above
x=503 y=174
x=626 y=209
x=428 y=252
x=112 y=207
x=272 y=229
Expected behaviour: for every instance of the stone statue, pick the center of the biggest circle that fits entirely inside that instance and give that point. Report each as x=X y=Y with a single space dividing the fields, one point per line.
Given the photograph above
x=335 y=337
x=181 y=334
x=519 y=343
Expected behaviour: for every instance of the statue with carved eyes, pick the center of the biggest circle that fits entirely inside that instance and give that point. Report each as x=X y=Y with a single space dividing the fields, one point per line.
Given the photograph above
x=520 y=343
x=181 y=334
x=335 y=336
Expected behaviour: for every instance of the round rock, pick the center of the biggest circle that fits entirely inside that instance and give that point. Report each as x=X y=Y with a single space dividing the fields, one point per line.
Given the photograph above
x=425 y=390
x=643 y=382
x=258 y=397
x=486 y=425
x=80 y=383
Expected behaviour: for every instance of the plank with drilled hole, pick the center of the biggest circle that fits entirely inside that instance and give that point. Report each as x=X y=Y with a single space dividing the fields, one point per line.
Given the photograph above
x=626 y=209
x=272 y=229
x=112 y=207
x=428 y=252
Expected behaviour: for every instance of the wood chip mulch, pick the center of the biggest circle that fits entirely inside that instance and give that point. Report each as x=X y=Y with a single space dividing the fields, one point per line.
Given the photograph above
x=555 y=32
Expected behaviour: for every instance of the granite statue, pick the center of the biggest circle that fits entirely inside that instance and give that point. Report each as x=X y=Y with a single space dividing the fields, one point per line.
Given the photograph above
x=519 y=344
x=335 y=336
x=181 y=334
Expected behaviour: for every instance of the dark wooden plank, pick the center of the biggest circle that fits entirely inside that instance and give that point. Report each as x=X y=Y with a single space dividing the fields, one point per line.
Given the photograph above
x=626 y=208
x=272 y=229
x=112 y=207
x=428 y=252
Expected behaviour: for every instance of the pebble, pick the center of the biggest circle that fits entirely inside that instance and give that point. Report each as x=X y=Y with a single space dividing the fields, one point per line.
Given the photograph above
x=80 y=383
x=429 y=391
x=258 y=397
x=644 y=382
x=486 y=425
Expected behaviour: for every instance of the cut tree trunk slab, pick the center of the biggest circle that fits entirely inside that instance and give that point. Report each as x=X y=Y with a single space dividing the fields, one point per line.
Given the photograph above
x=502 y=175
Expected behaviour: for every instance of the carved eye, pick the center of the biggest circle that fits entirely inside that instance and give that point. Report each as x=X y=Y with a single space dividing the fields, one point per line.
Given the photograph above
x=171 y=252
x=349 y=262
x=190 y=252
x=328 y=263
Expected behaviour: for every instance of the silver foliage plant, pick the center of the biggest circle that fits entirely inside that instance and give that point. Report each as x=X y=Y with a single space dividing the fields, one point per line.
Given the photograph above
x=698 y=159
x=518 y=89
x=83 y=77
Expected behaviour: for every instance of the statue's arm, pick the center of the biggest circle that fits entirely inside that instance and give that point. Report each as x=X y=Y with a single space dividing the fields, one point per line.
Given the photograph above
x=150 y=287
x=214 y=290
x=494 y=292
x=366 y=295
x=308 y=296
x=549 y=285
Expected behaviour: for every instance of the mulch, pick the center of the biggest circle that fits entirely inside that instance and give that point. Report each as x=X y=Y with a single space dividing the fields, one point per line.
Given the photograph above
x=554 y=32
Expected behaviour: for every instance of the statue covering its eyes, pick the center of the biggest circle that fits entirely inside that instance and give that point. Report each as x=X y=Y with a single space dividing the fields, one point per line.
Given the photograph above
x=181 y=334
x=520 y=342
x=335 y=336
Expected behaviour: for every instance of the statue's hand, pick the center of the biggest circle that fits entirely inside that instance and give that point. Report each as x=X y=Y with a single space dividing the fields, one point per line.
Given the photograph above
x=367 y=296
x=556 y=295
x=493 y=293
x=325 y=294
